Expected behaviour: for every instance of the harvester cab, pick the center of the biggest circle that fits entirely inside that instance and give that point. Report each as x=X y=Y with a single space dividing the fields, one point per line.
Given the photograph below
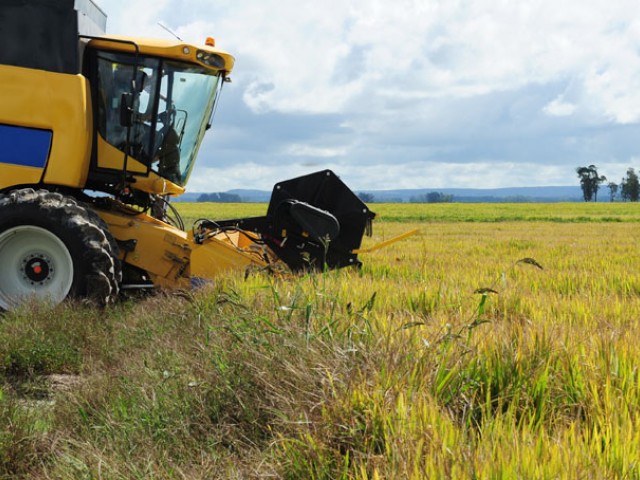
x=97 y=133
x=154 y=103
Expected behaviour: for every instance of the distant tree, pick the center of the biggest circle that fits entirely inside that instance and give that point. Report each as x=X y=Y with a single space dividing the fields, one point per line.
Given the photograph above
x=432 y=197
x=366 y=197
x=590 y=182
x=613 y=190
x=630 y=186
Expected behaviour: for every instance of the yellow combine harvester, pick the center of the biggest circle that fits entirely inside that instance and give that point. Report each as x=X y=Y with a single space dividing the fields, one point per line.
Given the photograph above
x=97 y=133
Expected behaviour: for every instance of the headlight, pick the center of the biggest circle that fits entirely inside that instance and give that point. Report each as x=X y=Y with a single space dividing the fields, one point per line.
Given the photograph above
x=210 y=59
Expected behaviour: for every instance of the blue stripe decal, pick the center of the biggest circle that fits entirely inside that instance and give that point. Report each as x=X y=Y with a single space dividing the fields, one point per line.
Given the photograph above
x=28 y=147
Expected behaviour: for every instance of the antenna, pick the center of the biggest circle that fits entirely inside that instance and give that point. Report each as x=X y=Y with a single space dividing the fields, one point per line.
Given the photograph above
x=169 y=30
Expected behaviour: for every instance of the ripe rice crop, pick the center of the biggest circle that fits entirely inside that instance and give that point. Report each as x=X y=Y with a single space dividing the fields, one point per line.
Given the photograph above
x=499 y=342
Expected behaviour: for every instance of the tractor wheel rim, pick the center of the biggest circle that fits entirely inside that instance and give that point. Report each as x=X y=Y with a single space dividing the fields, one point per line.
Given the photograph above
x=34 y=264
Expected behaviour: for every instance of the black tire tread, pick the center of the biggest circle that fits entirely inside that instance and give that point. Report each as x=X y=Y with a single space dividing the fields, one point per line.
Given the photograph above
x=102 y=268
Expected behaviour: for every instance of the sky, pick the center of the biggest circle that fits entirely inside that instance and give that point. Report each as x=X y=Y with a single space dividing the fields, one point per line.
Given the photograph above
x=412 y=93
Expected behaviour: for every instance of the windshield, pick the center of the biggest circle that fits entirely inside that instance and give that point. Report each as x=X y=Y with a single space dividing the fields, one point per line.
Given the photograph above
x=171 y=104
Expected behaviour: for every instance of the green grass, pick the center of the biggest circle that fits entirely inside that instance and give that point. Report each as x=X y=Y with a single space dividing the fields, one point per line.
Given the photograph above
x=398 y=370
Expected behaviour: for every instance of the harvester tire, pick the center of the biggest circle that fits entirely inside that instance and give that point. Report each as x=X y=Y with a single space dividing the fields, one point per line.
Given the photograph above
x=54 y=247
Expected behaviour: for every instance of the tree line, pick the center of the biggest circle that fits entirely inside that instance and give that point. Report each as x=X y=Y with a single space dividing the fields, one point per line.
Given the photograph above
x=431 y=197
x=628 y=190
x=220 y=197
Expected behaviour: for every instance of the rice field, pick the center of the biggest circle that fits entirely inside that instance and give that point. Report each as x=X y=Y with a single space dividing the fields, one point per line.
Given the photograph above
x=499 y=342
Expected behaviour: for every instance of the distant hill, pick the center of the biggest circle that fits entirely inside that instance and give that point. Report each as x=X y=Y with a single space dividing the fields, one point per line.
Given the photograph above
x=511 y=194
x=189 y=197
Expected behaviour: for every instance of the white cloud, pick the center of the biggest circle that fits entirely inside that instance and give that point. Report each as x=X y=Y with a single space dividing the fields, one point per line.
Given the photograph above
x=489 y=174
x=423 y=92
x=559 y=108
x=299 y=150
x=243 y=175
x=295 y=57
x=413 y=49
x=384 y=177
x=136 y=17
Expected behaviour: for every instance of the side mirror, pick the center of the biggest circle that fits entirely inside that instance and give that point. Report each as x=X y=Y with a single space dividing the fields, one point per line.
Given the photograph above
x=141 y=80
x=126 y=109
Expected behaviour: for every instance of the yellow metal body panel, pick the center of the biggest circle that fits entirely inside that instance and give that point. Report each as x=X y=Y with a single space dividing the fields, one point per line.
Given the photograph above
x=18 y=175
x=165 y=48
x=224 y=253
x=171 y=257
x=112 y=158
x=161 y=250
x=51 y=101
